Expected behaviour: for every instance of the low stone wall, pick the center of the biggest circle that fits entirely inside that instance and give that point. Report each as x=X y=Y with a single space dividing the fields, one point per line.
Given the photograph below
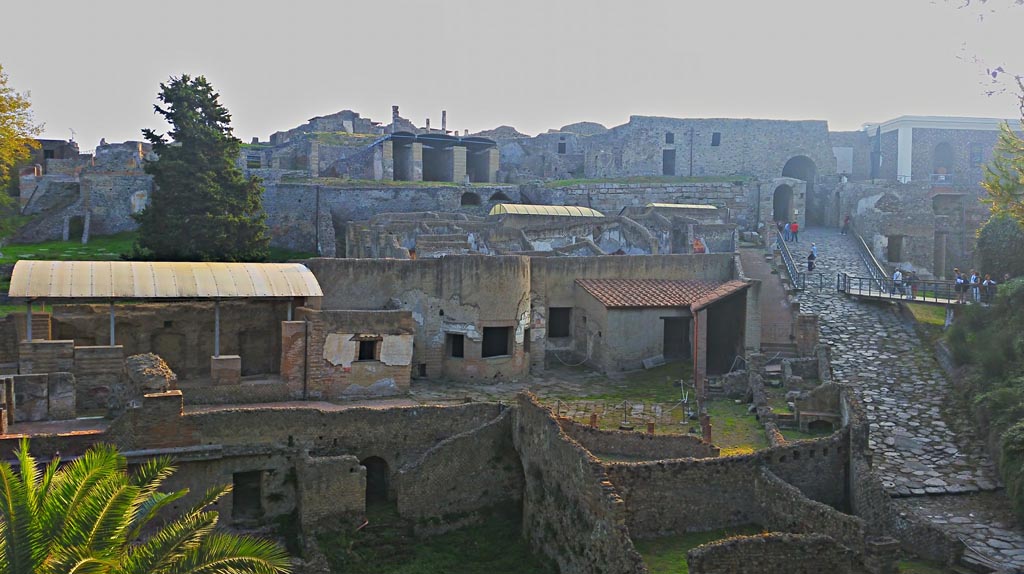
x=100 y=376
x=696 y=495
x=571 y=511
x=785 y=509
x=637 y=444
x=772 y=554
x=39 y=356
x=330 y=488
x=460 y=476
x=44 y=397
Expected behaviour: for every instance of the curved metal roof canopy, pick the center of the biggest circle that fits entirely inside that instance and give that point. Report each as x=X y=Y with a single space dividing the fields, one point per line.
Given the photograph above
x=560 y=210
x=680 y=206
x=160 y=280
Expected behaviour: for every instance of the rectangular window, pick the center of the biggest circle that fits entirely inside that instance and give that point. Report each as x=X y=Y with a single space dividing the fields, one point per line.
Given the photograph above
x=496 y=342
x=977 y=154
x=368 y=350
x=668 y=162
x=48 y=154
x=559 y=321
x=670 y=138
x=716 y=139
x=456 y=345
x=247 y=495
x=561 y=147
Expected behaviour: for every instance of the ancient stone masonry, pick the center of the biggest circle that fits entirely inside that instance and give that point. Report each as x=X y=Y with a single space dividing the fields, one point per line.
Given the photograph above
x=639 y=445
x=572 y=513
x=775 y=552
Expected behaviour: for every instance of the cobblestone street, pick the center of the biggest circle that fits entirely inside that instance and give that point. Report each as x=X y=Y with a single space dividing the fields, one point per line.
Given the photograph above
x=918 y=449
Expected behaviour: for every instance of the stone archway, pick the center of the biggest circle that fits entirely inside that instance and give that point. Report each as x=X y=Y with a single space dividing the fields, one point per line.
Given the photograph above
x=378 y=477
x=469 y=198
x=803 y=168
x=782 y=204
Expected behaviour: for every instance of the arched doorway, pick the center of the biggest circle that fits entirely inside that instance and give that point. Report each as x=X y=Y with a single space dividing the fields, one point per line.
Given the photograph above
x=377 y=477
x=803 y=168
x=782 y=204
x=942 y=161
x=469 y=198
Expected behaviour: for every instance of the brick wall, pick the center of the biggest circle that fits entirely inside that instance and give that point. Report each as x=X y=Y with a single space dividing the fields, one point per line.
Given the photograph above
x=38 y=356
x=784 y=508
x=101 y=379
x=330 y=488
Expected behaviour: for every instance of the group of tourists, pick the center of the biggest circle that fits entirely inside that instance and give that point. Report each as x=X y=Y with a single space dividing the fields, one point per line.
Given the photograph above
x=790 y=231
x=905 y=285
x=973 y=288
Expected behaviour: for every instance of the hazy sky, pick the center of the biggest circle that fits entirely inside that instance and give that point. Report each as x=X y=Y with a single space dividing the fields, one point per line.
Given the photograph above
x=533 y=64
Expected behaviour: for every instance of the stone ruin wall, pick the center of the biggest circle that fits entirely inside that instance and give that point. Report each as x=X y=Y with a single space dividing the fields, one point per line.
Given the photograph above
x=572 y=513
x=775 y=552
x=637 y=444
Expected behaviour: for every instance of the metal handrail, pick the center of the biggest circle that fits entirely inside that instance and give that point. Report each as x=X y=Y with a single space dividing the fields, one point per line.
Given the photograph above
x=797 y=277
x=922 y=290
x=874 y=268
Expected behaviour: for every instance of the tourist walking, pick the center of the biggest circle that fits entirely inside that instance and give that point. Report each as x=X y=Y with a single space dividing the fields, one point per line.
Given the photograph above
x=912 y=284
x=846 y=225
x=975 y=283
x=810 y=262
x=785 y=231
x=794 y=229
x=959 y=285
x=814 y=249
x=897 y=282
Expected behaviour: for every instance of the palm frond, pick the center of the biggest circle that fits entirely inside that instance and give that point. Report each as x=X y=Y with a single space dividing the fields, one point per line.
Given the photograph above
x=168 y=545
x=77 y=560
x=148 y=509
x=19 y=534
x=230 y=554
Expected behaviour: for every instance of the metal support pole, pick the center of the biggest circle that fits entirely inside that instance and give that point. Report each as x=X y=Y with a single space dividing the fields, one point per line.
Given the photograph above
x=216 y=328
x=289 y=309
x=111 y=323
x=28 y=319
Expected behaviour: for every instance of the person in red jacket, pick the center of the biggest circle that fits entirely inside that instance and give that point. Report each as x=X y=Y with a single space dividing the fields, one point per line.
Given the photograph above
x=794 y=229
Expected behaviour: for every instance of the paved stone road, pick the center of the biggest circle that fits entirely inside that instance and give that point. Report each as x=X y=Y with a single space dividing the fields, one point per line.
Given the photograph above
x=919 y=450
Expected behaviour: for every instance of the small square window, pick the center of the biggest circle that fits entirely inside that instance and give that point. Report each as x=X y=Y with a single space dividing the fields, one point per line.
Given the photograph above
x=368 y=350
x=48 y=154
x=168 y=324
x=561 y=147
x=670 y=138
x=497 y=342
x=559 y=322
x=716 y=139
x=456 y=345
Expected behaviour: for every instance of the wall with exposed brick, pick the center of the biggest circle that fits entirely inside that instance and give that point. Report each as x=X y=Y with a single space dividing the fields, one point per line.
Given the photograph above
x=101 y=379
x=785 y=509
x=773 y=554
x=330 y=489
x=460 y=476
x=571 y=511
x=39 y=356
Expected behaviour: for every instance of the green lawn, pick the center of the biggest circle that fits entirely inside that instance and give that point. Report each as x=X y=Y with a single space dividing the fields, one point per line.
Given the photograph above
x=386 y=547
x=734 y=430
x=928 y=314
x=915 y=567
x=99 y=248
x=668 y=555
x=793 y=434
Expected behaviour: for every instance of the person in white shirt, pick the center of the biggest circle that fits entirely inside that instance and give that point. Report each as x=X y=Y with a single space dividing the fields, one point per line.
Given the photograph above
x=897 y=282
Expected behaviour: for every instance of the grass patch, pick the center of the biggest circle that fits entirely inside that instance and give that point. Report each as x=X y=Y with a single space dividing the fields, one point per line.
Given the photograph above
x=659 y=385
x=668 y=555
x=928 y=314
x=734 y=430
x=495 y=545
x=99 y=248
x=794 y=434
x=651 y=179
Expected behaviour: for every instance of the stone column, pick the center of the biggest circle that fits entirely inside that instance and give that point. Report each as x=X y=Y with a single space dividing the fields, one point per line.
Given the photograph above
x=388 y=161
x=492 y=165
x=458 y=159
x=293 y=353
x=700 y=352
x=417 y=161
x=752 y=328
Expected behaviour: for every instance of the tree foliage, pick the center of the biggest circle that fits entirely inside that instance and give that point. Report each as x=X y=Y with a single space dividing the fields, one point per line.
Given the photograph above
x=1001 y=247
x=202 y=207
x=89 y=516
x=1004 y=177
x=18 y=129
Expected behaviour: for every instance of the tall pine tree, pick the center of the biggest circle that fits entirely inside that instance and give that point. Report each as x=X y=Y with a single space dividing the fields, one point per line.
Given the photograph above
x=202 y=207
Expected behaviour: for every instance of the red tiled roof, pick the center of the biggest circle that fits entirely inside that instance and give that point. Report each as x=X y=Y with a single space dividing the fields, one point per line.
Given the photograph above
x=618 y=293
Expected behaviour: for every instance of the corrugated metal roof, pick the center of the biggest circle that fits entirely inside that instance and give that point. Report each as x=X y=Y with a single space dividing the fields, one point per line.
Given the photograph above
x=681 y=205
x=560 y=210
x=640 y=293
x=160 y=280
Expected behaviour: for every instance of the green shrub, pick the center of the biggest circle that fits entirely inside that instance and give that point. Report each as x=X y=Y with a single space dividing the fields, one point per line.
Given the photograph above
x=1001 y=247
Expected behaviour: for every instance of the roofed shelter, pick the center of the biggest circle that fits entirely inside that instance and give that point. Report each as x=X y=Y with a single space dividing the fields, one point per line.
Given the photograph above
x=544 y=210
x=127 y=281
x=632 y=322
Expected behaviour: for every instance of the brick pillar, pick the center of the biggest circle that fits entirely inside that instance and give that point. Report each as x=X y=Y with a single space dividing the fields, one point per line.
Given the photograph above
x=417 y=161
x=293 y=353
x=458 y=169
x=806 y=334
